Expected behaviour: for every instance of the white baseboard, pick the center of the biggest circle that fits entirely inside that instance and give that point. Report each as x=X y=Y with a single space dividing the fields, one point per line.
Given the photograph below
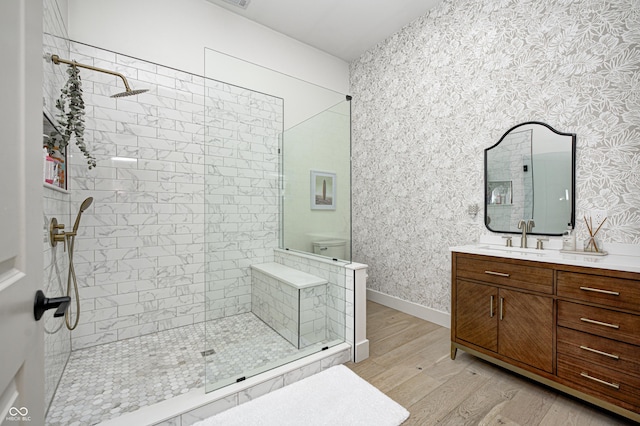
x=361 y=351
x=422 y=312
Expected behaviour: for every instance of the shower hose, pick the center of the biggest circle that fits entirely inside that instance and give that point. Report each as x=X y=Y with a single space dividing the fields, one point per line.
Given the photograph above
x=71 y=239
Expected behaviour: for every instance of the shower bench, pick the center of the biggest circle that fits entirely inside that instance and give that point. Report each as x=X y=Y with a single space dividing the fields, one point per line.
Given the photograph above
x=292 y=302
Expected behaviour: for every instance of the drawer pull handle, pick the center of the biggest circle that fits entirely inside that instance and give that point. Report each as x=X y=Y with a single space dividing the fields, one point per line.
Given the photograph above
x=613 y=385
x=606 y=324
x=491 y=307
x=500 y=274
x=501 y=308
x=586 y=348
x=597 y=290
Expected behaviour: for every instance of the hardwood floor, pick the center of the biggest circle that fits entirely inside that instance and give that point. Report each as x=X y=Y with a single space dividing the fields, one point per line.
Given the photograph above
x=409 y=361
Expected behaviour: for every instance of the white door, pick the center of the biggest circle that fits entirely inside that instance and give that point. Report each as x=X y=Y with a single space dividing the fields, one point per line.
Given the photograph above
x=21 y=337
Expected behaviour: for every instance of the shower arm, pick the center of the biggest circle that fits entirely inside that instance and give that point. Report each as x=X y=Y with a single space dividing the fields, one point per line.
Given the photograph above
x=58 y=60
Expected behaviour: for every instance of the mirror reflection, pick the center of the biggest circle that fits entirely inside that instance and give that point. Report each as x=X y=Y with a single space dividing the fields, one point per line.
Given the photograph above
x=316 y=173
x=529 y=174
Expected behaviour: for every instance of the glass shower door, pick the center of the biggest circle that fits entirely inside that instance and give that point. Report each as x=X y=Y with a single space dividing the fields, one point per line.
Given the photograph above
x=244 y=142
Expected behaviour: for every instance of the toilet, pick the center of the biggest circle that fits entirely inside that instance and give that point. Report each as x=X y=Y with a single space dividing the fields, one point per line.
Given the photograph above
x=330 y=248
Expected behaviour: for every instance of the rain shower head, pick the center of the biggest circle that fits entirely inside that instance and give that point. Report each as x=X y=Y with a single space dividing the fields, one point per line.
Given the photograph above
x=128 y=92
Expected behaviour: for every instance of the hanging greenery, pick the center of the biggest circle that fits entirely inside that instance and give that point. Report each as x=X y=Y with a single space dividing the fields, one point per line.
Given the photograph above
x=70 y=116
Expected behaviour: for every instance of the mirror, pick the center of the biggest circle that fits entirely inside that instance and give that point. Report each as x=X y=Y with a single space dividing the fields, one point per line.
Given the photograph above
x=530 y=174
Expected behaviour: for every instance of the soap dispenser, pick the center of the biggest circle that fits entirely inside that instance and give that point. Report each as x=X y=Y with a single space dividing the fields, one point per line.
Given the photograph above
x=569 y=239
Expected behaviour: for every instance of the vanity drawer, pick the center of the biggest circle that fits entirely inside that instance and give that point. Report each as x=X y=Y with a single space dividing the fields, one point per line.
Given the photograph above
x=617 y=292
x=603 y=322
x=595 y=349
x=600 y=381
x=506 y=273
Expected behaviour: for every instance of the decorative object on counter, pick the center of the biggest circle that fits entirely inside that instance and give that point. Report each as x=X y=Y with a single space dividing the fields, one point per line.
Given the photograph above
x=591 y=243
x=72 y=121
x=569 y=239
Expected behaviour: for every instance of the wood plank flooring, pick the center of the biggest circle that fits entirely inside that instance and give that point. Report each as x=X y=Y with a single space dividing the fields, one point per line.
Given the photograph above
x=409 y=361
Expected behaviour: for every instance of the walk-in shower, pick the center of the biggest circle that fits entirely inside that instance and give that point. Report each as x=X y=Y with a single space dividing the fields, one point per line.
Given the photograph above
x=187 y=195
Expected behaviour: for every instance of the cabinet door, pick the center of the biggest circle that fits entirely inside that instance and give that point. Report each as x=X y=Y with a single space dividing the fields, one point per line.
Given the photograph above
x=526 y=328
x=476 y=316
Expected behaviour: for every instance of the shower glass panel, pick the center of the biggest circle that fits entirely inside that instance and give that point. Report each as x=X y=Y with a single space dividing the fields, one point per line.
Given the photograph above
x=317 y=184
x=254 y=322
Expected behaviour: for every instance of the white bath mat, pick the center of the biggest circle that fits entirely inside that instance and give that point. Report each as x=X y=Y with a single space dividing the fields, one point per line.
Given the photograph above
x=334 y=397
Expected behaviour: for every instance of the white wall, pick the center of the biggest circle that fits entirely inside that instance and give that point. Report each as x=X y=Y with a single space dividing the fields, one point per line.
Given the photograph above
x=174 y=33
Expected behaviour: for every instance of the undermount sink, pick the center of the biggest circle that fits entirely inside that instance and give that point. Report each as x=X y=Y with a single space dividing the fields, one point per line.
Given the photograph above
x=505 y=249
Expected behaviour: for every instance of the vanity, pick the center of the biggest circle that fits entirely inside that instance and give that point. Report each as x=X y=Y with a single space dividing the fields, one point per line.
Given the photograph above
x=569 y=320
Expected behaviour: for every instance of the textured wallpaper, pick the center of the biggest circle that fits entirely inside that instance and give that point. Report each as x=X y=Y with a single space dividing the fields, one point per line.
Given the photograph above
x=428 y=100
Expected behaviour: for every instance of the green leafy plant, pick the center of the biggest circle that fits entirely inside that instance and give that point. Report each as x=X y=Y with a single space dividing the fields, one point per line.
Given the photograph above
x=70 y=117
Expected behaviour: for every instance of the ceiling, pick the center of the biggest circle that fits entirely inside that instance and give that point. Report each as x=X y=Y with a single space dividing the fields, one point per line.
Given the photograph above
x=342 y=28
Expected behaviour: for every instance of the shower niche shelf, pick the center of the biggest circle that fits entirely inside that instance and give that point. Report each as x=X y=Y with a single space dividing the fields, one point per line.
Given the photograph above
x=54 y=166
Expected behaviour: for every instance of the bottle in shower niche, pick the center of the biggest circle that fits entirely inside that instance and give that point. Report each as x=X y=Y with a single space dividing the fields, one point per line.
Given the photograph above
x=49 y=167
x=569 y=239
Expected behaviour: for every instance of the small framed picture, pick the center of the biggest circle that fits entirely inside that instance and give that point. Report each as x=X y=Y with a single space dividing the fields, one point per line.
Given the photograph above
x=323 y=190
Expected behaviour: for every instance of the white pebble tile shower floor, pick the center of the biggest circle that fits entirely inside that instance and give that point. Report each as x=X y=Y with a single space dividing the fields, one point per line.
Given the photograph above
x=106 y=381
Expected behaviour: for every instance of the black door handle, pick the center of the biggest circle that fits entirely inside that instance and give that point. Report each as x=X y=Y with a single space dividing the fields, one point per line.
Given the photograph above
x=42 y=303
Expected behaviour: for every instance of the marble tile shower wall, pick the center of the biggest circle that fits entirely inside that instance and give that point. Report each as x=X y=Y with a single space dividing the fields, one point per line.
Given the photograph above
x=297 y=314
x=340 y=286
x=241 y=192
x=140 y=253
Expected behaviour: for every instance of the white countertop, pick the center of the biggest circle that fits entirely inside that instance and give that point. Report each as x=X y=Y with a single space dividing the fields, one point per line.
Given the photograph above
x=621 y=257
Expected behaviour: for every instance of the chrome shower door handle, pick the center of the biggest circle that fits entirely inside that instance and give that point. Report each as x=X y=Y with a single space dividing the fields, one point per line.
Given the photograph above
x=43 y=303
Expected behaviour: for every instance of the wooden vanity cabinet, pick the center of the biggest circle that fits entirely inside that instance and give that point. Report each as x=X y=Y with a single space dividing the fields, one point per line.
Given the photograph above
x=573 y=328
x=498 y=314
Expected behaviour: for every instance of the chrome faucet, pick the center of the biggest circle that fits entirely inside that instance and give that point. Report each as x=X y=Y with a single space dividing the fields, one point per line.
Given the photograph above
x=526 y=226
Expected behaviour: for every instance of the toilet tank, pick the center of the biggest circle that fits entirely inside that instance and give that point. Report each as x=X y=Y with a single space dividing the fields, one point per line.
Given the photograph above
x=330 y=248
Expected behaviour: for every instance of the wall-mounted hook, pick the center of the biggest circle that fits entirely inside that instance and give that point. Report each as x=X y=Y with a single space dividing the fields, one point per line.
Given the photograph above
x=473 y=210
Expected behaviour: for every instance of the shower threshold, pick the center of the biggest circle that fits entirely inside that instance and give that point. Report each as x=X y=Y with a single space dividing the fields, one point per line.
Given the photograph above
x=197 y=404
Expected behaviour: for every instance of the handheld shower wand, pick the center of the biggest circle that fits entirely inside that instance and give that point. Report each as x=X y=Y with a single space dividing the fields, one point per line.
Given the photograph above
x=71 y=239
x=84 y=206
